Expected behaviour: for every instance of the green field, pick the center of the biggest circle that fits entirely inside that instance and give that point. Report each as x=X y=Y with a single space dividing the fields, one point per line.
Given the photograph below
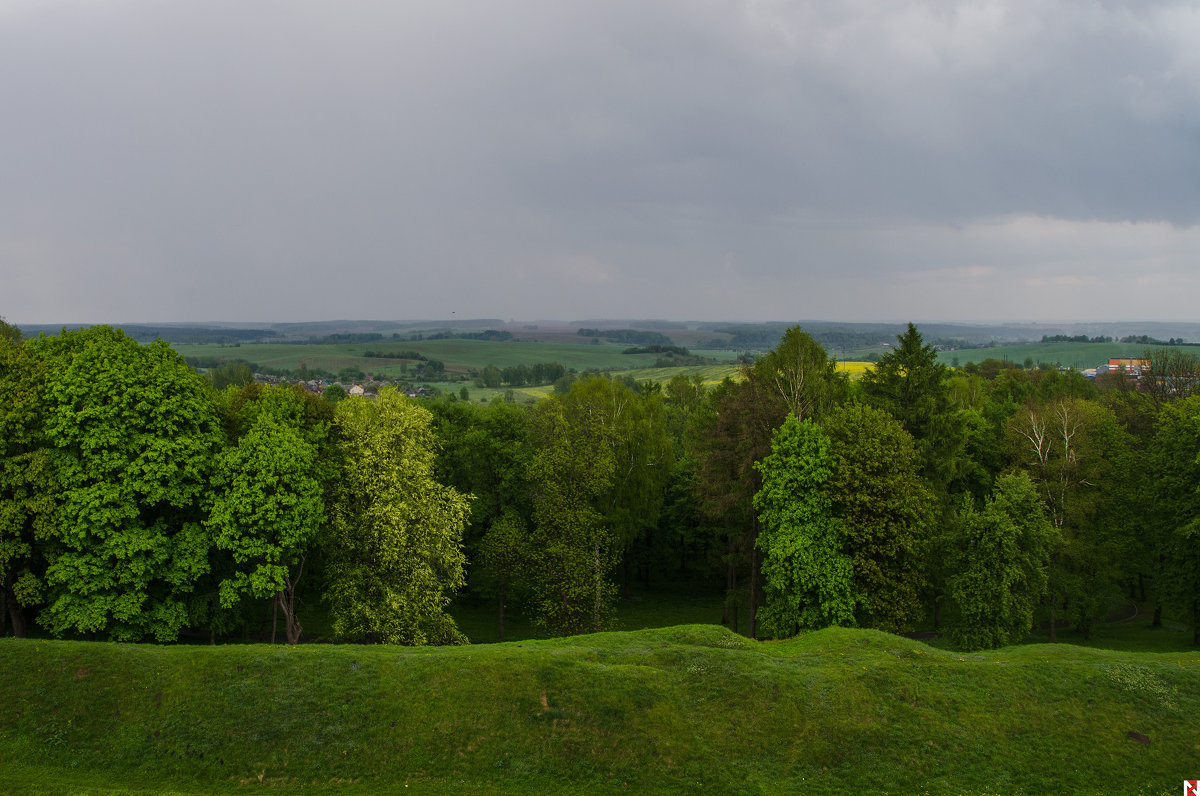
x=459 y=355
x=711 y=374
x=1071 y=355
x=689 y=709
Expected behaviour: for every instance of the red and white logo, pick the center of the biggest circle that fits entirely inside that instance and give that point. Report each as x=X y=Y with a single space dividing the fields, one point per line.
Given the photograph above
x=1191 y=787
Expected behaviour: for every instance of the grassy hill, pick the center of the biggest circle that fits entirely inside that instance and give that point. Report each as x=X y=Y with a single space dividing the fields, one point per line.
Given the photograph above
x=676 y=710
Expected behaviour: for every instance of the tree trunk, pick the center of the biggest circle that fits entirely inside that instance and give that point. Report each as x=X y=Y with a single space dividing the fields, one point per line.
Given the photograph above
x=3 y=611
x=274 y=618
x=1053 y=624
x=599 y=579
x=287 y=603
x=754 y=564
x=502 y=610
x=730 y=582
x=293 y=624
x=17 y=615
x=937 y=613
x=1157 y=620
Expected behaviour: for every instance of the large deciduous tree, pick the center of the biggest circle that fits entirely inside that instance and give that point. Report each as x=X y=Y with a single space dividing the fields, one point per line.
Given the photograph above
x=27 y=485
x=797 y=378
x=888 y=511
x=268 y=504
x=808 y=574
x=133 y=431
x=600 y=466
x=1001 y=559
x=1173 y=515
x=485 y=451
x=570 y=472
x=1078 y=455
x=845 y=519
x=395 y=552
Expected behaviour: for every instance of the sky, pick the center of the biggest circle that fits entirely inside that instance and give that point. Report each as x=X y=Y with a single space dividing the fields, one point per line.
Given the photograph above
x=275 y=160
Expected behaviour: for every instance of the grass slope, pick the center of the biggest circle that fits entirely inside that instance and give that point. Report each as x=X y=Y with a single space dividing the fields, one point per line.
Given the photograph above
x=676 y=710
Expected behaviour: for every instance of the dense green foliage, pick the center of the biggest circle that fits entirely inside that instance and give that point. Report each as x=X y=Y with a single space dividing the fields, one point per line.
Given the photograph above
x=807 y=568
x=395 y=556
x=268 y=502
x=1001 y=572
x=130 y=436
x=140 y=500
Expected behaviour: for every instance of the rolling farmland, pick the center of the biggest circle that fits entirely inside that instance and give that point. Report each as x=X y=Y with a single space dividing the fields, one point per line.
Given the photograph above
x=1071 y=355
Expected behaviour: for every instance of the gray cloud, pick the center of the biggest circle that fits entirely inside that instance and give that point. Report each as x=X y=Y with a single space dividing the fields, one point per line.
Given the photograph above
x=282 y=160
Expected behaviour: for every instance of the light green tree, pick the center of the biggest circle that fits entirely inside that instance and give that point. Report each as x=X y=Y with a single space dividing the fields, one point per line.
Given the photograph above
x=133 y=430
x=1001 y=562
x=808 y=575
x=395 y=552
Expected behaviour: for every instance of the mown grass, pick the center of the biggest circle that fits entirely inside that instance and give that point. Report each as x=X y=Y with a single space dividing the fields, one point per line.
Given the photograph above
x=676 y=710
x=637 y=609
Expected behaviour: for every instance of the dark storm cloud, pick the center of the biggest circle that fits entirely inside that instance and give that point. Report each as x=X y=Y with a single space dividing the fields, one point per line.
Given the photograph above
x=283 y=160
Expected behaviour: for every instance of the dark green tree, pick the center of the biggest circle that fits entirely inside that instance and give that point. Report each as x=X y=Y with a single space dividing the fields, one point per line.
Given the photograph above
x=1171 y=529
x=1078 y=455
x=570 y=473
x=1001 y=564
x=490 y=376
x=911 y=385
x=28 y=488
x=485 y=451
x=268 y=505
x=888 y=512
x=797 y=378
x=334 y=393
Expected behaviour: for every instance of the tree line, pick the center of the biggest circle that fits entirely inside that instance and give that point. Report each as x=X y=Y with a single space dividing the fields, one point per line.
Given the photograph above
x=139 y=502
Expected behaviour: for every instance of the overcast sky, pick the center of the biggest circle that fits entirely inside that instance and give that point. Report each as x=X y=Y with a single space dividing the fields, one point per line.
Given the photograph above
x=682 y=159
